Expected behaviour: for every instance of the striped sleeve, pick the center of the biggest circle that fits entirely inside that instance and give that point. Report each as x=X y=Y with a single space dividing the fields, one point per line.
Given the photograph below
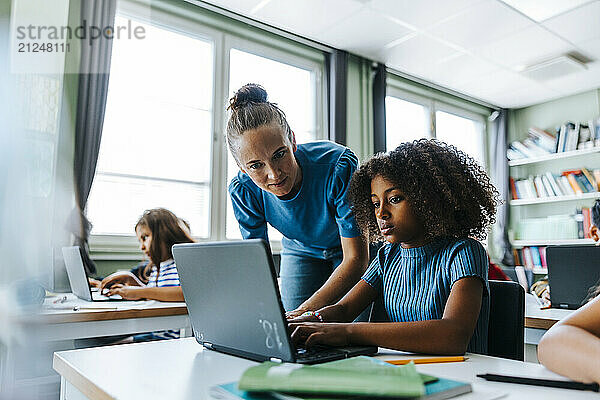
x=168 y=276
x=469 y=258
x=374 y=274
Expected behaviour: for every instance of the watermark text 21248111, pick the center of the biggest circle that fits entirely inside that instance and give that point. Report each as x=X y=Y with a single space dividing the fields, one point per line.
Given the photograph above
x=48 y=47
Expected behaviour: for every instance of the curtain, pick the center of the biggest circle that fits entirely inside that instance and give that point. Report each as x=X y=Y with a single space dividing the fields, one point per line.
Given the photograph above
x=91 y=104
x=379 y=92
x=500 y=175
x=337 y=84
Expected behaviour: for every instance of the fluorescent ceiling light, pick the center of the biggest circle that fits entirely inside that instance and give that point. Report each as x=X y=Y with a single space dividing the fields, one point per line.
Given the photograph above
x=541 y=10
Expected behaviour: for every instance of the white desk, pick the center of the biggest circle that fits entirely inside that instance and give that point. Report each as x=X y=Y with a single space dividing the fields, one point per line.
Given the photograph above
x=27 y=359
x=182 y=369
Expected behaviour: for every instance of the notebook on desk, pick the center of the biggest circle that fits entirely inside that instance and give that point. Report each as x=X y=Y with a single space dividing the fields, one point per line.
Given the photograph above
x=80 y=286
x=572 y=271
x=233 y=301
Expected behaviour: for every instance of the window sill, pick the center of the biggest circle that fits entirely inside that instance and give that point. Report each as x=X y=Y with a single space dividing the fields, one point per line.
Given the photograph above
x=126 y=247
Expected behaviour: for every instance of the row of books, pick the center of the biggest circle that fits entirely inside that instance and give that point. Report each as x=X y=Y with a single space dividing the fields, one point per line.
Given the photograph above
x=568 y=137
x=531 y=257
x=577 y=181
x=556 y=227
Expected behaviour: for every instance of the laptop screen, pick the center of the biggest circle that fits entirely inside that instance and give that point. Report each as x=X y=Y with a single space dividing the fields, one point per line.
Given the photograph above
x=572 y=271
x=232 y=296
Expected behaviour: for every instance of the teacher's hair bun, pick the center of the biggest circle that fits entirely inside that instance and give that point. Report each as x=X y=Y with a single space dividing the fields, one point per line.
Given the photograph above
x=248 y=94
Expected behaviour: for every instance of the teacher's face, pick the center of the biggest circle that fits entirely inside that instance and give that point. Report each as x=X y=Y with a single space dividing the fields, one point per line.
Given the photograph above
x=268 y=158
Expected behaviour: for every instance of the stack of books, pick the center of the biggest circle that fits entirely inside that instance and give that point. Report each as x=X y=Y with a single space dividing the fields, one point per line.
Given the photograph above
x=568 y=137
x=556 y=227
x=353 y=378
x=571 y=182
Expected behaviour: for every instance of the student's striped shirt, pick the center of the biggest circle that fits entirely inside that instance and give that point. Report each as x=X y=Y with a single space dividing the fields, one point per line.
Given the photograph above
x=416 y=282
x=164 y=276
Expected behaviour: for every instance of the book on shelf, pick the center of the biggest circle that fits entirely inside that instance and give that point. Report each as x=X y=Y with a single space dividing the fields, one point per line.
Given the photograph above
x=552 y=227
x=593 y=182
x=569 y=136
x=570 y=182
x=531 y=257
x=587 y=222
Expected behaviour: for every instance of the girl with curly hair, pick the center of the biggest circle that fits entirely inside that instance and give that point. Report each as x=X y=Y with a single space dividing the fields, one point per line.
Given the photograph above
x=429 y=202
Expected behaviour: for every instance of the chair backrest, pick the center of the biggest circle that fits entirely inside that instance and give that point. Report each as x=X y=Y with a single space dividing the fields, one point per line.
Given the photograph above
x=506 y=329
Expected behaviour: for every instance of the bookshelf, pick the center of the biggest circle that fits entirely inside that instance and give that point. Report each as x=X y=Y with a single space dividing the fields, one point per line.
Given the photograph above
x=554 y=157
x=550 y=242
x=554 y=199
x=522 y=211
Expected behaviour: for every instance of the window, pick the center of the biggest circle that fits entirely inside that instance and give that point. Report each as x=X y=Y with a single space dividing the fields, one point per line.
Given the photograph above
x=292 y=88
x=405 y=121
x=156 y=141
x=464 y=133
x=410 y=117
x=163 y=139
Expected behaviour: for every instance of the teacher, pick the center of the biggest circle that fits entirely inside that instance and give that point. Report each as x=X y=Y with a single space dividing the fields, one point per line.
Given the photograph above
x=301 y=191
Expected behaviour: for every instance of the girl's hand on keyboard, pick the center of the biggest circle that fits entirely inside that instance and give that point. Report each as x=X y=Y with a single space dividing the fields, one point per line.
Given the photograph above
x=308 y=334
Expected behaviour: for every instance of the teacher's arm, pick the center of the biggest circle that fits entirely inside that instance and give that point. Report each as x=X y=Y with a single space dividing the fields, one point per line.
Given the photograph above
x=572 y=346
x=345 y=276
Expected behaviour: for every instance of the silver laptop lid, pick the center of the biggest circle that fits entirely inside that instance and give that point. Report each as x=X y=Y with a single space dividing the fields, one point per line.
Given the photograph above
x=232 y=296
x=76 y=273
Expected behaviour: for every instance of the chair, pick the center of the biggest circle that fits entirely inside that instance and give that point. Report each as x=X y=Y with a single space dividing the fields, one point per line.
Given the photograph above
x=506 y=328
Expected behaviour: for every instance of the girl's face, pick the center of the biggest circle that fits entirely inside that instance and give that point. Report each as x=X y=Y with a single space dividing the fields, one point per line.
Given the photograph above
x=395 y=217
x=268 y=159
x=145 y=237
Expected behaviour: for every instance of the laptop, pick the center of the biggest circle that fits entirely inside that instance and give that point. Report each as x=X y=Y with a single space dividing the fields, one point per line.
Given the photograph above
x=80 y=285
x=572 y=271
x=233 y=301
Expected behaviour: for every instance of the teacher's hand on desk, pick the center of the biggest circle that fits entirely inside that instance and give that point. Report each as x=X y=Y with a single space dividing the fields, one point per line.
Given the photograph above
x=124 y=278
x=126 y=292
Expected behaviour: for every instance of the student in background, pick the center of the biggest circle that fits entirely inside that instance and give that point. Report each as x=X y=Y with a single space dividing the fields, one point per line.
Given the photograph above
x=157 y=230
x=572 y=346
x=136 y=276
x=428 y=200
x=301 y=191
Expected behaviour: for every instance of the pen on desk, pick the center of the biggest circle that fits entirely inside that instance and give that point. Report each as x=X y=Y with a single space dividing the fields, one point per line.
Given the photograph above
x=60 y=300
x=427 y=360
x=77 y=308
x=540 y=382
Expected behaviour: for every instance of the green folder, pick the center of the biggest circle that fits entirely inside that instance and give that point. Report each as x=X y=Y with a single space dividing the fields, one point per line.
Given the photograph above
x=357 y=376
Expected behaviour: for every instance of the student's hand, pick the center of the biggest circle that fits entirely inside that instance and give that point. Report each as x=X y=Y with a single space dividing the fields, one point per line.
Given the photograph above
x=124 y=278
x=309 y=334
x=305 y=317
x=95 y=283
x=290 y=315
x=126 y=292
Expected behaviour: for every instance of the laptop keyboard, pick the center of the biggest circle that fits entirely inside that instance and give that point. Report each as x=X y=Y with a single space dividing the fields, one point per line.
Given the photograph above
x=319 y=353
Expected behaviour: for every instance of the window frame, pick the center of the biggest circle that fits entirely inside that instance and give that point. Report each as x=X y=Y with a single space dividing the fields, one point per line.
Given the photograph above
x=436 y=103
x=251 y=40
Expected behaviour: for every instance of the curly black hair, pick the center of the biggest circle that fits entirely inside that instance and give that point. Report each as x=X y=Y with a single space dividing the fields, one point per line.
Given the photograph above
x=449 y=191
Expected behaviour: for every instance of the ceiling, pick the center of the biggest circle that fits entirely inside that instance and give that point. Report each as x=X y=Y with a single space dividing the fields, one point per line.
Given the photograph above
x=476 y=47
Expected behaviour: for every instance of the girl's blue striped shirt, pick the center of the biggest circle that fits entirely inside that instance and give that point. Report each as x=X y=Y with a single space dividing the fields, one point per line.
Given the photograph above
x=416 y=282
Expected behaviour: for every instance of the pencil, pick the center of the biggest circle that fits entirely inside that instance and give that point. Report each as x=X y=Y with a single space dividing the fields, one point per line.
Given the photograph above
x=427 y=360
